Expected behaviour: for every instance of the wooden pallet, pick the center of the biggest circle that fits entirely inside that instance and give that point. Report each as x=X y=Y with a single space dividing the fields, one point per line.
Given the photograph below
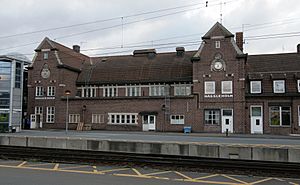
x=80 y=126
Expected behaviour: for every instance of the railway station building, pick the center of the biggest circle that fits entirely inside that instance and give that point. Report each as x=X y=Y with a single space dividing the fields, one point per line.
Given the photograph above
x=216 y=88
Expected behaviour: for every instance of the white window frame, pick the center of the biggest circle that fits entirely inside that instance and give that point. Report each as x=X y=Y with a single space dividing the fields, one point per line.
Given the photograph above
x=158 y=90
x=133 y=90
x=218 y=44
x=45 y=55
x=206 y=89
x=51 y=91
x=210 y=116
x=88 y=91
x=177 y=119
x=255 y=83
x=275 y=85
x=182 y=89
x=298 y=85
x=38 y=110
x=50 y=114
x=280 y=117
x=224 y=88
x=74 y=118
x=123 y=118
x=39 y=91
x=97 y=118
x=110 y=91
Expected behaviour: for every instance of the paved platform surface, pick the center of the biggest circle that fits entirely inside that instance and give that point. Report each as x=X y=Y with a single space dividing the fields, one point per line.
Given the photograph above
x=30 y=172
x=167 y=137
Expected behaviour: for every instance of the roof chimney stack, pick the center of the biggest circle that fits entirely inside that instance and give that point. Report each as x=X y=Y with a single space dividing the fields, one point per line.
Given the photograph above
x=298 y=48
x=180 y=51
x=76 y=48
x=239 y=39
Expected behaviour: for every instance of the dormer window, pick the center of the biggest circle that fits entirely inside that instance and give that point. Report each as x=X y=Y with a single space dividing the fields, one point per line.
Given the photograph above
x=278 y=86
x=45 y=55
x=218 y=44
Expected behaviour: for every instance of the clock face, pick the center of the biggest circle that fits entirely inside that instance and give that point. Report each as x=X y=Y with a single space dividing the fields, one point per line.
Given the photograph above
x=218 y=65
x=45 y=73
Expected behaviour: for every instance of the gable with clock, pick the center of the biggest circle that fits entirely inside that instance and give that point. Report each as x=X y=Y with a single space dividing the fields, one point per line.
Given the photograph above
x=218 y=64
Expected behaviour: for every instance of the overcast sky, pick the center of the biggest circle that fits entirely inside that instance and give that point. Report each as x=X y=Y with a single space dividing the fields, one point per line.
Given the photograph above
x=162 y=24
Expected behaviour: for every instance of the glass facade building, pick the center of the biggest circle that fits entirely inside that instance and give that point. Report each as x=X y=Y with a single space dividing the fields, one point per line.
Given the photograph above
x=11 y=92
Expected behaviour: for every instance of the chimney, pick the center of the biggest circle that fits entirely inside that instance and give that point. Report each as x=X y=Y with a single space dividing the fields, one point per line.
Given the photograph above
x=180 y=51
x=298 y=48
x=76 y=48
x=239 y=39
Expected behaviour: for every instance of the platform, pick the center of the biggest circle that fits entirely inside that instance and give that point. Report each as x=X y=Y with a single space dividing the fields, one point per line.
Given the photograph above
x=247 y=147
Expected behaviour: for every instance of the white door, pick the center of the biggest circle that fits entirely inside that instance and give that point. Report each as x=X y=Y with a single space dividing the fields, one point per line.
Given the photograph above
x=32 y=121
x=227 y=120
x=149 y=122
x=256 y=120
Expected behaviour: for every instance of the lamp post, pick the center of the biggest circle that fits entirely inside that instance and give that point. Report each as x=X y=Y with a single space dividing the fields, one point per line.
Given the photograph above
x=67 y=93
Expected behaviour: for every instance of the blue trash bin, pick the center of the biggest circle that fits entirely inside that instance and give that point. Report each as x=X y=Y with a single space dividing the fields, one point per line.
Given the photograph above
x=187 y=129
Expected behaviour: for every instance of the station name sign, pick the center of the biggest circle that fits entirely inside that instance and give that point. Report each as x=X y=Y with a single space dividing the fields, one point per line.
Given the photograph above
x=218 y=96
x=44 y=98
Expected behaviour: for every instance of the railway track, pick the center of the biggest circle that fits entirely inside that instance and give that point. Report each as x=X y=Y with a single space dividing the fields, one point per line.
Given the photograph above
x=157 y=161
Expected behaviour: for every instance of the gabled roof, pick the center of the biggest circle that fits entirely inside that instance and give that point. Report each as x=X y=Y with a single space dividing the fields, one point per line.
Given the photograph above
x=217 y=30
x=130 y=69
x=67 y=57
x=283 y=62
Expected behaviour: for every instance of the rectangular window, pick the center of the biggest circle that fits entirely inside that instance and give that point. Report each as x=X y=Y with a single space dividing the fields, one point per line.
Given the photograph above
x=122 y=118
x=255 y=87
x=38 y=110
x=97 y=118
x=182 y=89
x=39 y=91
x=280 y=116
x=158 y=90
x=209 y=87
x=226 y=87
x=110 y=91
x=133 y=91
x=177 y=119
x=4 y=99
x=51 y=91
x=278 y=86
x=88 y=91
x=218 y=44
x=50 y=114
x=45 y=55
x=18 y=75
x=212 y=117
x=298 y=85
x=74 y=118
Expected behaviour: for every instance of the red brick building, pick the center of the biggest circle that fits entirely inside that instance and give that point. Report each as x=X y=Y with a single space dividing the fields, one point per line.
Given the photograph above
x=213 y=89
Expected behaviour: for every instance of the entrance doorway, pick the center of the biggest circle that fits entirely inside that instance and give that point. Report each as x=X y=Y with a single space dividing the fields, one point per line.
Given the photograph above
x=256 y=120
x=227 y=120
x=149 y=122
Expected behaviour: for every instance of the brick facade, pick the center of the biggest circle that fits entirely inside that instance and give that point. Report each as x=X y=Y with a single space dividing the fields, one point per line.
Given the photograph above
x=102 y=86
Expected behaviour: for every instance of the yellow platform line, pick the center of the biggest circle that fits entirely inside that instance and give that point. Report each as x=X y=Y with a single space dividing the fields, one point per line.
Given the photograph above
x=95 y=169
x=22 y=164
x=137 y=172
x=74 y=167
x=158 y=173
x=113 y=170
x=234 y=179
x=56 y=167
x=293 y=183
x=260 y=181
x=211 y=182
x=182 y=175
x=205 y=177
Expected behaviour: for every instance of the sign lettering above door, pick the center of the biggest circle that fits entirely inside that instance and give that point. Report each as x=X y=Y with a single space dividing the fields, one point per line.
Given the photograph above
x=218 y=96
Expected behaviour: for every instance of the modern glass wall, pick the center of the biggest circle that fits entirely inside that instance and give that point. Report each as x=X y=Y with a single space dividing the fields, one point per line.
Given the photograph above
x=5 y=86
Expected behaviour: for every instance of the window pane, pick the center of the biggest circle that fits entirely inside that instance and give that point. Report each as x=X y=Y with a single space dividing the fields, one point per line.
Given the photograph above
x=275 y=116
x=256 y=111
